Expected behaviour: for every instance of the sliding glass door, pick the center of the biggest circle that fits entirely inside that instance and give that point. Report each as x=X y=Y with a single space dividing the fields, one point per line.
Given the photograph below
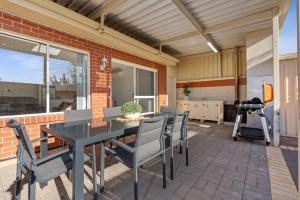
x=133 y=83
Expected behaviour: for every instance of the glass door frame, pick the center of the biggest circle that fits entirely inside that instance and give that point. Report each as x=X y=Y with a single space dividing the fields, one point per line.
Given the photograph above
x=135 y=96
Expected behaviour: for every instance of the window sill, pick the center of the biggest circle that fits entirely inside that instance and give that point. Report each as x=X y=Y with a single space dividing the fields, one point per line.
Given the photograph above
x=31 y=115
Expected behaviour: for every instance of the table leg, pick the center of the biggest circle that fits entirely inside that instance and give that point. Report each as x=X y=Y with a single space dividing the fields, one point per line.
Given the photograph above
x=78 y=172
x=44 y=145
x=102 y=162
x=43 y=150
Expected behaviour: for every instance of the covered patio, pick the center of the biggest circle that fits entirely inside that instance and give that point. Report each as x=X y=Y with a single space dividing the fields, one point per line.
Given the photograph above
x=197 y=56
x=219 y=169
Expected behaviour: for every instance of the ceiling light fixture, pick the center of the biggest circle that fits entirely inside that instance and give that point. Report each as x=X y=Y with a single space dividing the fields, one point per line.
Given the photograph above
x=212 y=47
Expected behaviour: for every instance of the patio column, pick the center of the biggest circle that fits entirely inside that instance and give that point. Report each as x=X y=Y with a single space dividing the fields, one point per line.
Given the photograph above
x=298 y=73
x=276 y=79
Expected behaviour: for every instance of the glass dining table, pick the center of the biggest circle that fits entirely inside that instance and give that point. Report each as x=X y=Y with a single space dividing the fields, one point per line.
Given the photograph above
x=80 y=134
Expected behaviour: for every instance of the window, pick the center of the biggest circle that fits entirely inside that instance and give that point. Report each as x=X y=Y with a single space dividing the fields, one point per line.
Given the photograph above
x=67 y=77
x=145 y=93
x=132 y=82
x=24 y=75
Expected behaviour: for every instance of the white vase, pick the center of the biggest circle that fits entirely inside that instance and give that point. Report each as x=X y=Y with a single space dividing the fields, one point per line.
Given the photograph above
x=186 y=98
x=132 y=115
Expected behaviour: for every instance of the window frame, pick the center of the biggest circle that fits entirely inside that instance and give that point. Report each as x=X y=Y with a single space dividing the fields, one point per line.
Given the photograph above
x=136 y=97
x=47 y=43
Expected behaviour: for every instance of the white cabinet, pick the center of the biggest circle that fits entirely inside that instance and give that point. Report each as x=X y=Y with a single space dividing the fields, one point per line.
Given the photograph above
x=203 y=110
x=182 y=106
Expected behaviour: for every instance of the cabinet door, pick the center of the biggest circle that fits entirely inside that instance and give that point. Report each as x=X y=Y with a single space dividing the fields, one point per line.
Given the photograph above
x=178 y=106
x=185 y=106
x=212 y=111
x=191 y=109
x=197 y=110
x=202 y=110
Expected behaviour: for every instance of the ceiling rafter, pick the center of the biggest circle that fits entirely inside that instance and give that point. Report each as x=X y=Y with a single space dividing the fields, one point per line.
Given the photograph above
x=228 y=25
x=196 y=24
x=104 y=9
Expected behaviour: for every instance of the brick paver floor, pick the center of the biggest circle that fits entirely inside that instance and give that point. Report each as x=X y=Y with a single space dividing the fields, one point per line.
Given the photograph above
x=219 y=169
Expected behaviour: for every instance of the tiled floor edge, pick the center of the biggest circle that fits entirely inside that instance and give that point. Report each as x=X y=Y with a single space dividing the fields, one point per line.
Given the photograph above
x=282 y=185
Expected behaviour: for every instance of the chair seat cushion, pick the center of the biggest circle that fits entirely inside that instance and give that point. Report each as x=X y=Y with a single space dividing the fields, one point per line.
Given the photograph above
x=122 y=155
x=56 y=167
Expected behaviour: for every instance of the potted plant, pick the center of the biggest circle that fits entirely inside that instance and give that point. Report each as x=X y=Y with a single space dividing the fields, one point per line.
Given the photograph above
x=131 y=110
x=186 y=91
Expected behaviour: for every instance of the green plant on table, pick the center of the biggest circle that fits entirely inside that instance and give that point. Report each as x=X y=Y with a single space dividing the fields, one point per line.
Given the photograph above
x=131 y=107
x=186 y=91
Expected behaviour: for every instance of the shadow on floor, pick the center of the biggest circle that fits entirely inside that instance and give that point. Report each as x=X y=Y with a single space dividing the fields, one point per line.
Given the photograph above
x=291 y=156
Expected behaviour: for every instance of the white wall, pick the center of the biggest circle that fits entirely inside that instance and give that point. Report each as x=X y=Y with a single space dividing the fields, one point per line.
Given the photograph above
x=171 y=84
x=288 y=97
x=259 y=69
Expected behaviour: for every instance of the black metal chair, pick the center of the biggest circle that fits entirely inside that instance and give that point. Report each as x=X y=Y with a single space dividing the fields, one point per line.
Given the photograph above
x=37 y=170
x=148 y=145
x=177 y=135
x=79 y=115
x=112 y=112
x=168 y=110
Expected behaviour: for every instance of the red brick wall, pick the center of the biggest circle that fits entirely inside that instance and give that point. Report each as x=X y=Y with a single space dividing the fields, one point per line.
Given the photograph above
x=99 y=80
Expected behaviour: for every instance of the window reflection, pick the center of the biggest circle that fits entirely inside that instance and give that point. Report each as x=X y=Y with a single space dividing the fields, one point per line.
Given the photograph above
x=22 y=77
x=67 y=77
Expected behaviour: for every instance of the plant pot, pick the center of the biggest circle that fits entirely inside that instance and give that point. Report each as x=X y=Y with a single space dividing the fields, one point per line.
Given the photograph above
x=132 y=115
x=186 y=98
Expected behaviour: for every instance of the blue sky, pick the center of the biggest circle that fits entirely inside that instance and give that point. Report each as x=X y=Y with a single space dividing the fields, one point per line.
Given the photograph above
x=288 y=35
x=28 y=68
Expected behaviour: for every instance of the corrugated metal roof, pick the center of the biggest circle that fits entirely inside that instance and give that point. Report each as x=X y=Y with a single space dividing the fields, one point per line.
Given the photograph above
x=152 y=21
x=237 y=37
x=190 y=46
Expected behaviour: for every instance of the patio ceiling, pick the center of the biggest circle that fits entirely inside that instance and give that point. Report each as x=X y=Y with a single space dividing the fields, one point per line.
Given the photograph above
x=182 y=27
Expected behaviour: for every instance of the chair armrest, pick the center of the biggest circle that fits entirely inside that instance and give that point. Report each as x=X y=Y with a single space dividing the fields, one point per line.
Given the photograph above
x=122 y=145
x=39 y=139
x=51 y=156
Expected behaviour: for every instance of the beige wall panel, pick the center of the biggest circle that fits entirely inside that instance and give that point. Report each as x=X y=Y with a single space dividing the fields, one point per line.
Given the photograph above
x=220 y=93
x=242 y=62
x=208 y=65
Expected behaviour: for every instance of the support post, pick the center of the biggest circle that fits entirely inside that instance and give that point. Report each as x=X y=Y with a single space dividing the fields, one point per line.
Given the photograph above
x=276 y=79
x=220 y=64
x=236 y=71
x=298 y=72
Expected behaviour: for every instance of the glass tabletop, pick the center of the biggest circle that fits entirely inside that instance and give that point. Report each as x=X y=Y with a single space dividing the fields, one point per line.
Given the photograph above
x=93 y=131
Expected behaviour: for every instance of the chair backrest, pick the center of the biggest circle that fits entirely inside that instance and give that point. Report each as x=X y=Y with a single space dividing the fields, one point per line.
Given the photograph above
x=168 y=109
x=112 y=112
x=26 y=153
x=184 y=129
x=77 y=115
x=176 y=129
x=149 y=139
